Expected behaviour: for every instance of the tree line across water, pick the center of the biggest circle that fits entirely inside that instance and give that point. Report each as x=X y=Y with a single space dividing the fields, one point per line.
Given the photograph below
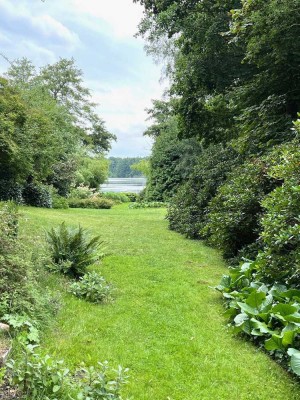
x=226 y=150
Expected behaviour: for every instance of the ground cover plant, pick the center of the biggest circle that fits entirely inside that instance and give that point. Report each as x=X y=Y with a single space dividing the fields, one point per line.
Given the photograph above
x=165 y=323
x=91 y=287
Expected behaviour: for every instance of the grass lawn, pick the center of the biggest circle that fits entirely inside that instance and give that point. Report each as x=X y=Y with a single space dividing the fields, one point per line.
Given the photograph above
x=165 y=322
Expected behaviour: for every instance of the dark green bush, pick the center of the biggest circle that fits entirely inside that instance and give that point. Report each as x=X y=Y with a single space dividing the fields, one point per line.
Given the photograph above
x=133 y=197
x=233 y=215
x=72 y=249
x=187 y=210
x=91 y=202
x=10 y=190
x=280 y=259
x=91 y=287
x=37 y=195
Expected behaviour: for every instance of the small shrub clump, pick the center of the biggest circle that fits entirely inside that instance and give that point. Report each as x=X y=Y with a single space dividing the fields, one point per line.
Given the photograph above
x=72 y=249
x=91 y=287
x=116 y=197
x=42 y=377
x=91 y=202
x=148 y=204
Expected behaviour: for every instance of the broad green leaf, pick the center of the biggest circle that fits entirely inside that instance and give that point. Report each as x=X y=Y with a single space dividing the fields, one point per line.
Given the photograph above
x=274 y=343
x=292 y=293
x=288 y=338
x=295 y=360
x=255 y=299
x=56 y=388
x=284 y=309
x=293 y=317
x=247 y=309
x=261 y=326
x=240 y=319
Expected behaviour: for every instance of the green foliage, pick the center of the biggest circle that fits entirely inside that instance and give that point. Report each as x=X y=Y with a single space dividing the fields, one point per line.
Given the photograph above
x=133 y=197
x=187 y=210
x=59 y=201
x=37 y=195
x=233 y=214
x=19 y=289
x=39 y=377
x=116 y=197
x=142 y=166
x=148 y=204
x=267 y=313
x=92 y=172
x=10 y=190
x=121 y=167
x=8 y=227
x=171 y=161
x=91 y=287
x=279 y=259
x=91 y=202
x=42 y=377
x=82 y=192
x=22 y=327
x=72 y=250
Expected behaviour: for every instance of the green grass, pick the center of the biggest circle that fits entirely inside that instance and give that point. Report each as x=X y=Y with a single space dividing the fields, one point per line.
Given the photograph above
x=165 y=323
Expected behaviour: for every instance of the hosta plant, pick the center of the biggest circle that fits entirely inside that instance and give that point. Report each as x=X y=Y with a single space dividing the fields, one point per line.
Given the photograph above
x=269 y=314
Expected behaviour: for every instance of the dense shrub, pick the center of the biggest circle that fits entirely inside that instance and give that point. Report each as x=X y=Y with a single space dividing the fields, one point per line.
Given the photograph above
x=19 y=292
x=91 y=202
x=91 y=287
x=59 y=202
x=82 y=192
x=37 y=195
x=10 y=190
x=280 y=259
x=116 y=197
x=133 y=197
x=8 y=227
x=72 y=249
x=186 y=213
x=233 y=214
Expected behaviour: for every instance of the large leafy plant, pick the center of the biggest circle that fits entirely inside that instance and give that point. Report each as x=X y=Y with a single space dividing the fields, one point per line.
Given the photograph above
x=269 y=314
x=72 y=249
x=91 y=287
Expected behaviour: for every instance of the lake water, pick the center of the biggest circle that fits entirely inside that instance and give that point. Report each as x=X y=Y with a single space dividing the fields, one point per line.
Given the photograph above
x=134 y=185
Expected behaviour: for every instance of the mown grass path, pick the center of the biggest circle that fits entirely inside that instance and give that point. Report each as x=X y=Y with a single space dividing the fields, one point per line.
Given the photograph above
x=165 y=323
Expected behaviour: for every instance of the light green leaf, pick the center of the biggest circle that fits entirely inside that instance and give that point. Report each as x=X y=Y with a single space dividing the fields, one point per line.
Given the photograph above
x=295 y=360
x=274 y=343
x=56 y=388
x=255 y=299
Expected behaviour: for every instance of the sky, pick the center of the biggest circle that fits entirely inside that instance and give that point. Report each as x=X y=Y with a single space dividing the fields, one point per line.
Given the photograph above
x=99 y=35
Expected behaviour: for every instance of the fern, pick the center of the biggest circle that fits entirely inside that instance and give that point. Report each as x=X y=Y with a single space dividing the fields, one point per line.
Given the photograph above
x=72 y=250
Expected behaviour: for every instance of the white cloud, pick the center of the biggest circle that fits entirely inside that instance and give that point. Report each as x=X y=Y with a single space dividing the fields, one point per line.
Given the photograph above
x=122 y=16
x=50 y=27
